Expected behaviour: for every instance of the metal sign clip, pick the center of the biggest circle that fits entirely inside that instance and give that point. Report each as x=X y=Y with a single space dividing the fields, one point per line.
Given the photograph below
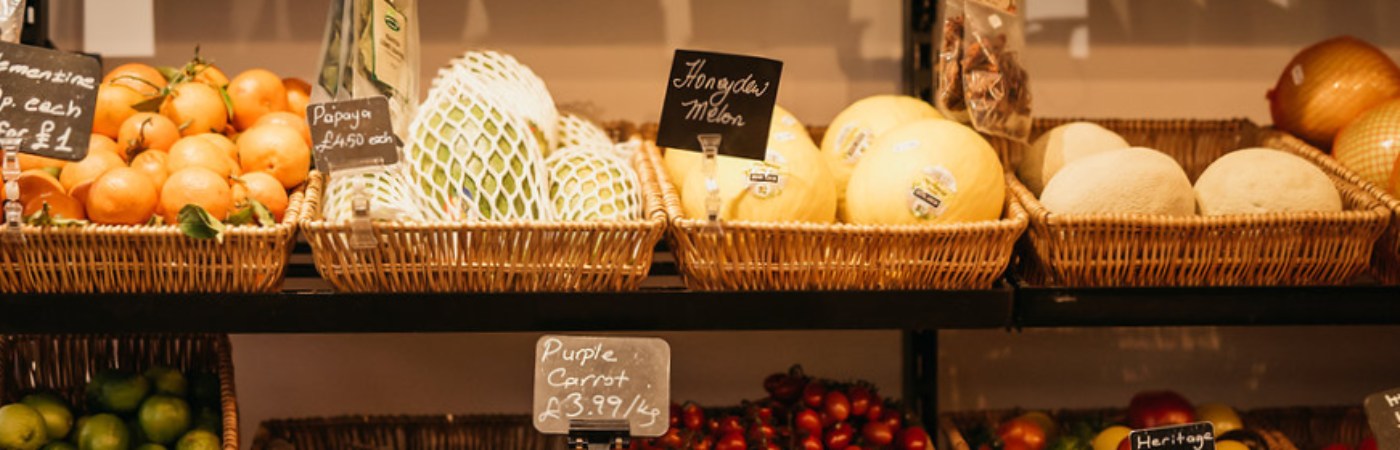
x=599 y=434
x=9 y=172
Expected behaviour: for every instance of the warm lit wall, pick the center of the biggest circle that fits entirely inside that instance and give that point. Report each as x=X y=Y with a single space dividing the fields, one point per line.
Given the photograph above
x=1182 y=58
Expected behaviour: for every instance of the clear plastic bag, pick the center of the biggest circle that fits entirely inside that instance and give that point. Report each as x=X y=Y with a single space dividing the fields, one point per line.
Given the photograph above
x=371 y=49
x=996 y=86
x=981 y=80
x=11 y=20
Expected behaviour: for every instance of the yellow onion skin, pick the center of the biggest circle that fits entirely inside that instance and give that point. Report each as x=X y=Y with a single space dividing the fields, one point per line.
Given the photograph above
x=1328 y=85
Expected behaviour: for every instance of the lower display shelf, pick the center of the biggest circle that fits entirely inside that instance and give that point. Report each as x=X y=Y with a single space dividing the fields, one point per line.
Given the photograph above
x=1189 y=306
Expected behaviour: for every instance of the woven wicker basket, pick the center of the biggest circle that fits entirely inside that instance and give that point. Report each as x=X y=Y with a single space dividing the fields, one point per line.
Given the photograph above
x=1302 y=428
x=149 y=259
x=1142 y=250
x=490 y=256
x=403 y=433
x=1385 y=258
x=64 y=363
x=806 y=256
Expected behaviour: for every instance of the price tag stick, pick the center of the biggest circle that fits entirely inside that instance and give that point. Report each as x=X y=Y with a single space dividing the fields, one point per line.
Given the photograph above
x=14 y=211
x=599 y=434
x=710 y=167
x=361 y=230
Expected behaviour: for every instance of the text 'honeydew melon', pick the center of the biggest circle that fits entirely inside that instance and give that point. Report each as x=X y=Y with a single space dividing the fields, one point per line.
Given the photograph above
x=1133 y=180
x=792 y=184
x=1062 y=145
x=855 y=128
x=929 y=171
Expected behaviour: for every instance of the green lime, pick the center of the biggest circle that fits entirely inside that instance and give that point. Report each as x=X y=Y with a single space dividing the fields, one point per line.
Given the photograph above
x=204 y=387
x=58 y=419
x=103 y=432
x=209 y=420
x=167 y=380
x=59 y=445
x=124 y=393
x=77 y=425
x=21 y=428
x=93 y=392
x=164 y=418
x=198 y=440
x=151 y=447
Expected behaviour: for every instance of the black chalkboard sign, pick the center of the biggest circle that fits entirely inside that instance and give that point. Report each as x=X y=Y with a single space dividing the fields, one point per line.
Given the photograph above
x=1383 y=411
x=352 y=133
x=716 y=93
x=47 y=100
x=1191 y=436
x=583 y=381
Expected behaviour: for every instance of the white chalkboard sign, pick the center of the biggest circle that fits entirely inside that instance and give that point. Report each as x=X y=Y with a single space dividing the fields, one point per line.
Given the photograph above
x=1191 y=436
x=717 y=93
x=581 y=380
x=352 y=133
x=47 y=99
x=1383 y=411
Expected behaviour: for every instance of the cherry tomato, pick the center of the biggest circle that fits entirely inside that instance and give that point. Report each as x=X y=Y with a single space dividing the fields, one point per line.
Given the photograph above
x=1014 y=445
x=877 y=433
x=861 y=399
x=808 y=421
x=712 y=425
x=838 y=407
x=1022 y=430
x=789 y=390
x=813 y=442
x=675 y=416
x=672 y=439
x=915 y=438
x=705 y=444
x=692 y=416
x=812 y=394
x=732 y=441
x=731 y=424
x=853 y=447
x=764 y=414
x=762 y=432
x=893 y=418
x=840 y=436
x=876 y=410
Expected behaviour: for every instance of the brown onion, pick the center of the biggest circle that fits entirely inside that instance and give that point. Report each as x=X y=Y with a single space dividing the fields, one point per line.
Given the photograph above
x=1328 y=85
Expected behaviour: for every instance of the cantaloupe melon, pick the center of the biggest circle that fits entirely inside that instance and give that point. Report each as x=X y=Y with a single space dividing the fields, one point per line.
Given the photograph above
x=1262 y=180
x=792 y=185
x=1133 y=180
x=927 y=172
x=851 y=133
x=1061 y=145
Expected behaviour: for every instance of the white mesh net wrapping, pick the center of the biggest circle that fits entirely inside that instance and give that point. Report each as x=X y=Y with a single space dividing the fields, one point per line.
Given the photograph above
x=587 y=185
x=523 y=92
x=472 y=159
x=576 y=131
x=390 y=197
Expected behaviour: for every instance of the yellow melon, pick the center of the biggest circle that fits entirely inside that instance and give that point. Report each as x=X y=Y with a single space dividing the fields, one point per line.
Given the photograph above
x=851 y=133
x=792 y=184
x=1132 y=180
x=927 y=172
x=1061 y=145
x=680 y=163
x=1263 y=180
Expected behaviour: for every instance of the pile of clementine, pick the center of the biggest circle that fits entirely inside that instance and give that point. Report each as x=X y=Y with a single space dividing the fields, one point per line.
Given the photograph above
x=166 y=139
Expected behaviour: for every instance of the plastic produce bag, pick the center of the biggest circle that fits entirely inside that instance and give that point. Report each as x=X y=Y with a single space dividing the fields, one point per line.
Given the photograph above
x=371 y=49
x=11 y=20
x=989 y=87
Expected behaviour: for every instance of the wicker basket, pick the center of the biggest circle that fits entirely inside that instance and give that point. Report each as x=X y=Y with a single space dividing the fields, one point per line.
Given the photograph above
x=149 y=258
x=1143 y=250
x=1385 y=258
x=1302 y=428
x=807 y=256
x=64 y=363
x=404 y=432
x=490 y=256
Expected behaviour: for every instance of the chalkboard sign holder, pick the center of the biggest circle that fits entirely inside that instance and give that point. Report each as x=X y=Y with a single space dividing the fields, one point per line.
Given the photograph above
x=1383 y=413
x=14 y=211
x=599 y=434
x=709 y=143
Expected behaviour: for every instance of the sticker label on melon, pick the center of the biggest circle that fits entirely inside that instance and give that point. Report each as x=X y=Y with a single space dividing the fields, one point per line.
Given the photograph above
x=852 y=141
x=928 y=197
x=765 y=180
x=783 y=136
